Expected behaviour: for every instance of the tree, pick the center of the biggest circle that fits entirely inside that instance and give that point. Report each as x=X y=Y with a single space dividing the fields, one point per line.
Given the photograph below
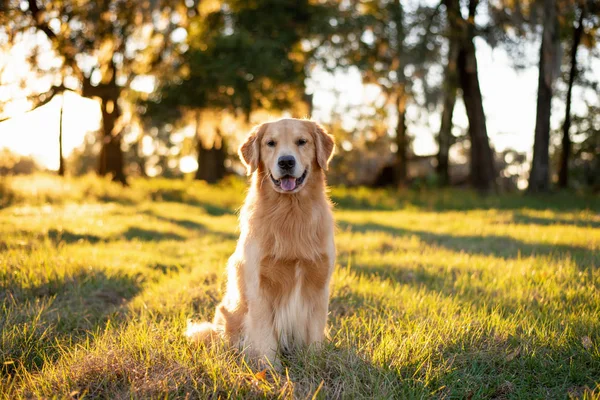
x=563 y=174
x=391 y=49
x=61 y=160
x=482 y=171
x=96 y=42
x=242 y=57
x=539 y=178
x=450 y=86
x=585 y=24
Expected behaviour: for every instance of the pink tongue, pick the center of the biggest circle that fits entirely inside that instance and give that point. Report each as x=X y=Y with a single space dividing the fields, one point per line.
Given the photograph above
x=288 y=184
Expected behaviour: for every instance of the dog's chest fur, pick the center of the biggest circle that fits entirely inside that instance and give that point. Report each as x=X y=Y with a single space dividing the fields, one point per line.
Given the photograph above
x=294 y=270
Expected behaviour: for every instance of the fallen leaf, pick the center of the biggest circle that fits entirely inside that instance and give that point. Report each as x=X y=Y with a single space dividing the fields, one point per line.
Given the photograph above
x=586 y=342
x=514 y=354
x=261 y=376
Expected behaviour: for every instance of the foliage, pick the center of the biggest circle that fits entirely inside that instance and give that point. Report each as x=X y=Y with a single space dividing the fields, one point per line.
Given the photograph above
x=241 y=57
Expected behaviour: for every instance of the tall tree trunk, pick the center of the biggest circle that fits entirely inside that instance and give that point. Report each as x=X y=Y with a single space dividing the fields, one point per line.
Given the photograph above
x=199 y=147
x=110 y=160
x=563 y=173
x=482 y=170
x=308 y=100
x=211 y=160
x=61 y=160
x=401 y=166
x=140 y=158
x=445 y=136
x=539 y=178
x=111 y=154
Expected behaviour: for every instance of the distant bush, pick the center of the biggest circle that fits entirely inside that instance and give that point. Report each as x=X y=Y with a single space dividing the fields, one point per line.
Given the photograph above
x=15 y=164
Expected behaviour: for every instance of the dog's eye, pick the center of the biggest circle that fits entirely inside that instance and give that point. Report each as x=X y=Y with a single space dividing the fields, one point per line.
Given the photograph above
x=271 y=143
x=301 y=142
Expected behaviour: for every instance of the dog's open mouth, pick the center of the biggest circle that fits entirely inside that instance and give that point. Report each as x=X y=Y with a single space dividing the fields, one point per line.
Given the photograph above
x=289 y=183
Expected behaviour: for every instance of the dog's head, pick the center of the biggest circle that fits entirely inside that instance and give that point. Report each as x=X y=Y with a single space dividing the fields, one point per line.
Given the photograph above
x=288 y=150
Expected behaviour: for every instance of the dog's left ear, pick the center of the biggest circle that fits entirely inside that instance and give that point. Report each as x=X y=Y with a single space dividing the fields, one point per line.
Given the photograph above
x=325 y=145
x=249 y=151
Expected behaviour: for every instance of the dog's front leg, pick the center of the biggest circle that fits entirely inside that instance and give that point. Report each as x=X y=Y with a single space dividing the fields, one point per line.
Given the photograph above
x=320 y=309
x=261 y=342
x=318 y=321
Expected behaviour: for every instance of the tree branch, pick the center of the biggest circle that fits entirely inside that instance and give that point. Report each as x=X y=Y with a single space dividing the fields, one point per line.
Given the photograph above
x=42 y=99
x=38 y=17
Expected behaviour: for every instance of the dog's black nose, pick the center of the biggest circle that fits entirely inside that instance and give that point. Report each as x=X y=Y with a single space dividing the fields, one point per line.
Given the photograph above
x=286 y=162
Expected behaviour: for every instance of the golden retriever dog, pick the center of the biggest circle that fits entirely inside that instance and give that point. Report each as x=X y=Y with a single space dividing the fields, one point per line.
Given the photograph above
x=277 y=292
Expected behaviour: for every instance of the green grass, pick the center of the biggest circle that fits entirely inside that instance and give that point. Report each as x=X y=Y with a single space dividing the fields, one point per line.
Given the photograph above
x=436 y=294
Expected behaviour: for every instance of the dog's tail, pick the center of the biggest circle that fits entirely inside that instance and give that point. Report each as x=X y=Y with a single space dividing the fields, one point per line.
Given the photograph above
x=201 y=332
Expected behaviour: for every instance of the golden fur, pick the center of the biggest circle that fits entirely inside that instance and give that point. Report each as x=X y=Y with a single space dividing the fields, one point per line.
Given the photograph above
x=278 y=278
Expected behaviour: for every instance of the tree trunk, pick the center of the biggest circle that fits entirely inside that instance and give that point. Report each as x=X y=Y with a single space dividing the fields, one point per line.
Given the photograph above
x=401 y=165
x=111 y=154
x=308 y=100
x=482 y=171
x=539 y=179
x=61 y=160
x=563 y=173
x=445 y=136
x=400 y=168
x=211 y=160
x=110 y=160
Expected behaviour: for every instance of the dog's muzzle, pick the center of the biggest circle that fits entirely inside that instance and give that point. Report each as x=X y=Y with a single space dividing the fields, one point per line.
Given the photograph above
x=289 y=183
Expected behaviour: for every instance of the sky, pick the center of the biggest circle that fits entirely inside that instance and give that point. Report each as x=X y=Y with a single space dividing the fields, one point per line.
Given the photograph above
x=509 y=103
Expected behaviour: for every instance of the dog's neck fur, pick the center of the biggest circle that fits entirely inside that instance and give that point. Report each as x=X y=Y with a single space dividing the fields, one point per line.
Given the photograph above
x=289 y=226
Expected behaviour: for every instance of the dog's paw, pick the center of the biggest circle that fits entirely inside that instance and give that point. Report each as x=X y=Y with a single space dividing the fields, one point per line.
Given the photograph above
x=201 y=332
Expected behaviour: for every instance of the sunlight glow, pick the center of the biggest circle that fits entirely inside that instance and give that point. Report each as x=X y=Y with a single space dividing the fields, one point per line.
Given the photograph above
x=35 y=133
x=188 y=164
x=509 y=103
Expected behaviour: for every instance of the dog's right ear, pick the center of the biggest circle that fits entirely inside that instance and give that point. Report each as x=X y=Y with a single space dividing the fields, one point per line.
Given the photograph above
x=249 y=151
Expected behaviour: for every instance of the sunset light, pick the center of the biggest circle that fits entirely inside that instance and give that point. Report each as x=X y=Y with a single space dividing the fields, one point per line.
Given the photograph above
x=314 y=199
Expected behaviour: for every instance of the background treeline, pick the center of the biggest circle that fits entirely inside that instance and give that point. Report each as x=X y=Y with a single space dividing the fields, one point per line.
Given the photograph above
x=180 y=82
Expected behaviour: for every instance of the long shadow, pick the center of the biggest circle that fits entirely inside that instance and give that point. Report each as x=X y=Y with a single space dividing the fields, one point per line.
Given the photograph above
x=340 y=371
x=66 y=236
x=479 y=362
x=190 y=225
x=459 y=200
x=489 y=245
x=522 y=218
x=184 y=223
x=212 y=209
x=147 y=235
x=69 y=309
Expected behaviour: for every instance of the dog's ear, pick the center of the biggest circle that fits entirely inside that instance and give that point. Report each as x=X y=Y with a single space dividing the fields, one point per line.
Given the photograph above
x=325 y=145
x=249 y=151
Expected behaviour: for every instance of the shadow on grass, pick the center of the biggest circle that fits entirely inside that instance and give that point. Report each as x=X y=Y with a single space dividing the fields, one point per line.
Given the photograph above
x=475 y=362
x=68 y=237
x=360 y=198
x=212 y=209
x=184 y=223
x=490 y=245
x=132 y=233
x=148 y=235
x=36 y=319
x=522 y=218
x=338 y=371
x=190 y=225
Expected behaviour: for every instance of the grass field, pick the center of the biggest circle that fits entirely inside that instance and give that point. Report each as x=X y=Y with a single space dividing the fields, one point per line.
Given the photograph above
x=435 y=294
